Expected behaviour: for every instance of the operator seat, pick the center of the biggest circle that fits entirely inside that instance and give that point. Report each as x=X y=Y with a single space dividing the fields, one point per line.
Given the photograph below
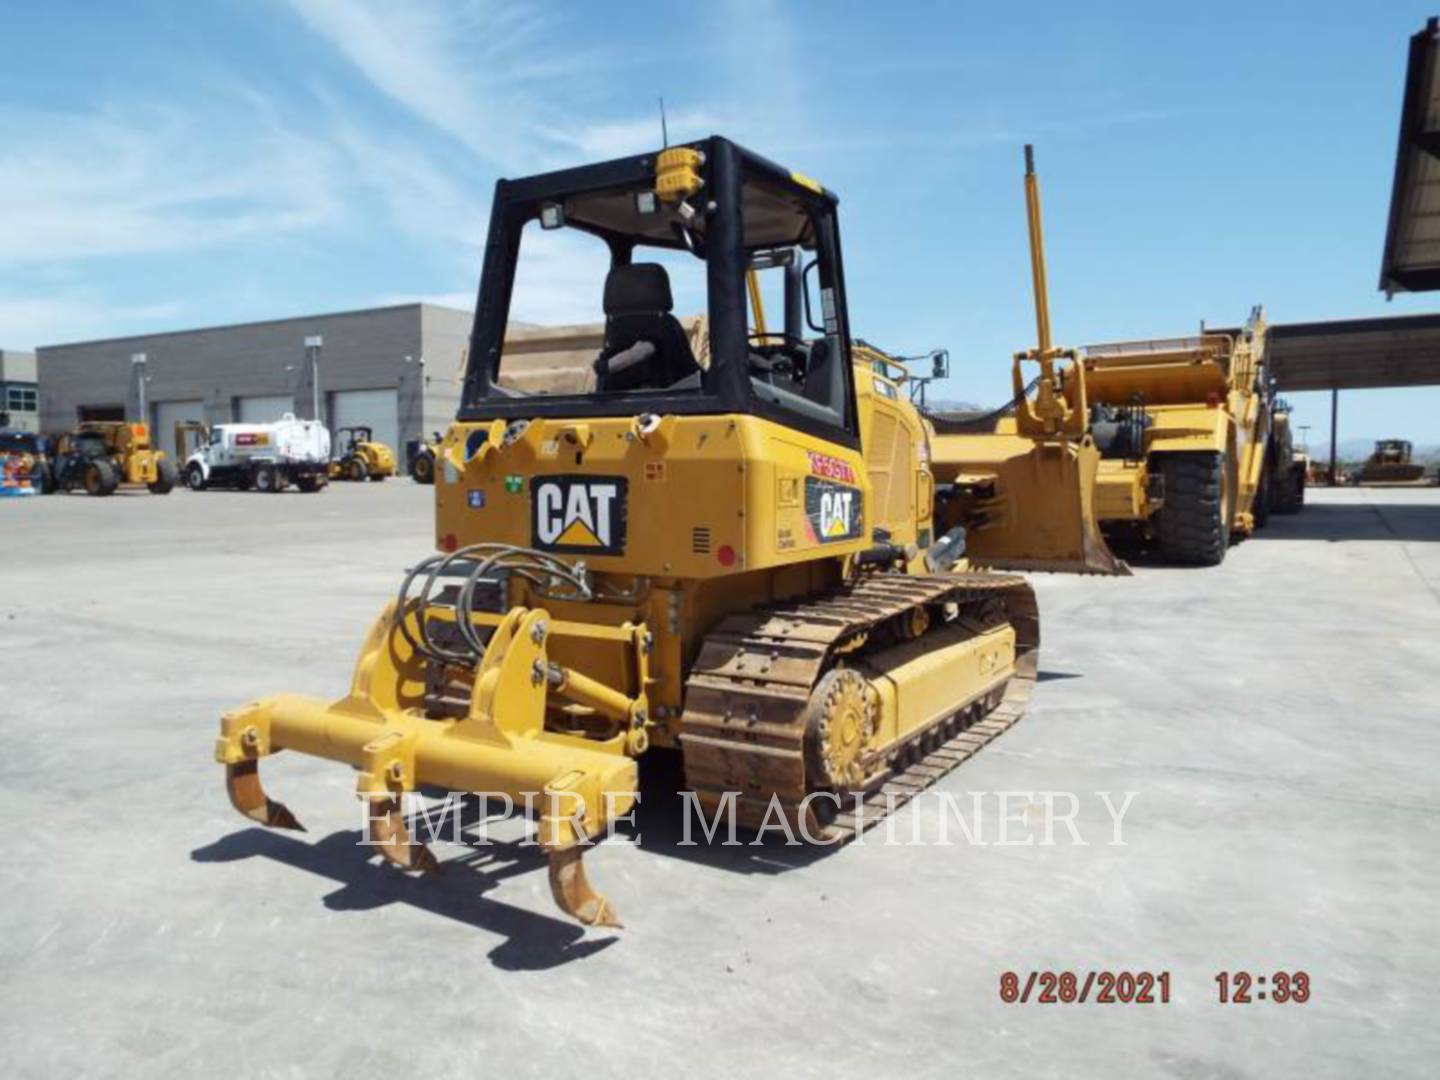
x=819 y=374
x=645 y=347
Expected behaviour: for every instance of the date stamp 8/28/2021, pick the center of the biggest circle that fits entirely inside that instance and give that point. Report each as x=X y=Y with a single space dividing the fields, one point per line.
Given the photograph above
x=1147 y=987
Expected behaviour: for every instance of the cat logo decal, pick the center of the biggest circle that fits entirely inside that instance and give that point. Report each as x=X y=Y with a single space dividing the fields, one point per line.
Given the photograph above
x=579 y=514
x=833 y=511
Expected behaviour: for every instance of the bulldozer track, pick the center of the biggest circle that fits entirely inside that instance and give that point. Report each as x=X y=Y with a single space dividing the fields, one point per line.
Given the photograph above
x=743 y=731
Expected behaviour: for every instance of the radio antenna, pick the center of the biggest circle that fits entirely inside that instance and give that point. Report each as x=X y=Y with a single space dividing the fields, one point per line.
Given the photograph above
x=664 y=131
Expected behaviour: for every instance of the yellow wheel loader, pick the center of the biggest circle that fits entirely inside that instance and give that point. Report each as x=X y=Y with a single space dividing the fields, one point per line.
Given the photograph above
x=361 y=457
x=421 y=453
x=716 y=542
x=1022 y=484
x=98 y=456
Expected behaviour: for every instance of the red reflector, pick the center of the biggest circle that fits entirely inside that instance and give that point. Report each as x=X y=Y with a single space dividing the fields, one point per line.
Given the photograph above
x=1212 y=399
x=726 y=555
x=449 y=543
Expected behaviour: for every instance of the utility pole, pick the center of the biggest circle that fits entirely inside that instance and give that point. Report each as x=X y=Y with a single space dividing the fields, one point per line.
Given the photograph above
x=313 y=346
x=135 y=407
x=1334 y=427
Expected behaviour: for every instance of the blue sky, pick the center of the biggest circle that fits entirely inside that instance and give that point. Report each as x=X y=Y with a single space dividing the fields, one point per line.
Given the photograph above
x=167 y=165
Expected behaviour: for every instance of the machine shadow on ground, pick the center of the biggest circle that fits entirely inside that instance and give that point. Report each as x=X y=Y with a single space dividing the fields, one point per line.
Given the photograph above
x=532 y=942
x=665 y=824
x=668 y=825
x=1407 y=522
x=1330 y=522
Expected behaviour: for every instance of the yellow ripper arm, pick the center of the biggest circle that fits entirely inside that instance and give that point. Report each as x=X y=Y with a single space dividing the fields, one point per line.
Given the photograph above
x=499 y=747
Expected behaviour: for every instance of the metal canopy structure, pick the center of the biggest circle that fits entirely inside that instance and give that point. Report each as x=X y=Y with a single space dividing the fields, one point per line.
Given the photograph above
x=1354 y=354
x=1411 y=262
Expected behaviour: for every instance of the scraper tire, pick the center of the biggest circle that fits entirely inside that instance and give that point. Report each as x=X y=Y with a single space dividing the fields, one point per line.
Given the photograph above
x=1193 y=527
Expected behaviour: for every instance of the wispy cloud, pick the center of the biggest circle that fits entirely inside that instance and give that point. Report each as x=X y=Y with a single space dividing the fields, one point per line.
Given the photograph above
x=609 y=139
x=499 y=80
x=148 y=178
x=423 y=198
x=494 y=88
x=502 y=79
x=470 y=71
x=74 y=316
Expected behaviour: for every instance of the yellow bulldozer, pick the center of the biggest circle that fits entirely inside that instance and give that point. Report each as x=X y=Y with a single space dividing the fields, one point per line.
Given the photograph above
x=717 y=543
x=98 y=456
x=1391 y=463
x=1021 y=482
x=359 y=456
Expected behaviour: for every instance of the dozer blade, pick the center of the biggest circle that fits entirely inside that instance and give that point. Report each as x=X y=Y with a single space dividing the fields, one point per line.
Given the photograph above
x=242 y=784
x=386 y=830
x=573 y=892
x=1026 y=504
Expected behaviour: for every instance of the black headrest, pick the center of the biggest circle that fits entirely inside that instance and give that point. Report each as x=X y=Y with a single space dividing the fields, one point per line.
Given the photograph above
x=637 y=289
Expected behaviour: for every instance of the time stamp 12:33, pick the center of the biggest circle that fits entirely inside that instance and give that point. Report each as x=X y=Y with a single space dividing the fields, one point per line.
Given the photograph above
x=1241 y=987
x=1146 y=987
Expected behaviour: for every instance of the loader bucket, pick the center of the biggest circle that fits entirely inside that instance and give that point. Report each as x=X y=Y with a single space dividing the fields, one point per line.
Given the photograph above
x=1026 y=504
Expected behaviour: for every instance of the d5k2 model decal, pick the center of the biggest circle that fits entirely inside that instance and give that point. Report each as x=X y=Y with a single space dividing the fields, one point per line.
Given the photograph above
x=578 y=515
x=833 y=511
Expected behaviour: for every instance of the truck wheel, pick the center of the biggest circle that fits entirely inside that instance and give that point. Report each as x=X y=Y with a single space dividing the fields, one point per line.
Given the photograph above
x=266 y=479
x=195 y=478
x=101 y=478
x=165 y=477
x=1193 y=526
x=422 y=469
x=309 y=483
x=1261 y=507
x=357 y=470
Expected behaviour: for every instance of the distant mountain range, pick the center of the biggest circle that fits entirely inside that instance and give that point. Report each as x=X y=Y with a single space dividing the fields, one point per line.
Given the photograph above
x=943 y=405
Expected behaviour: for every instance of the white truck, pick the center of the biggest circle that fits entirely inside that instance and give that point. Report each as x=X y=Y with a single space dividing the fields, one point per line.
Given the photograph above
x=266 y=457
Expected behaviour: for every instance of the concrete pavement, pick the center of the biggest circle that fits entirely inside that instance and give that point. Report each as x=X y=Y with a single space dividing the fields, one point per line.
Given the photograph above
x=1276 y=717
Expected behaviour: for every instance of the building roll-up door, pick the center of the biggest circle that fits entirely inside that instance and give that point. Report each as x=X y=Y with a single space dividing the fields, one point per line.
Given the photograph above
x=163 y=417
x=263 y=409
x=376 y=409
x=101 y=412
